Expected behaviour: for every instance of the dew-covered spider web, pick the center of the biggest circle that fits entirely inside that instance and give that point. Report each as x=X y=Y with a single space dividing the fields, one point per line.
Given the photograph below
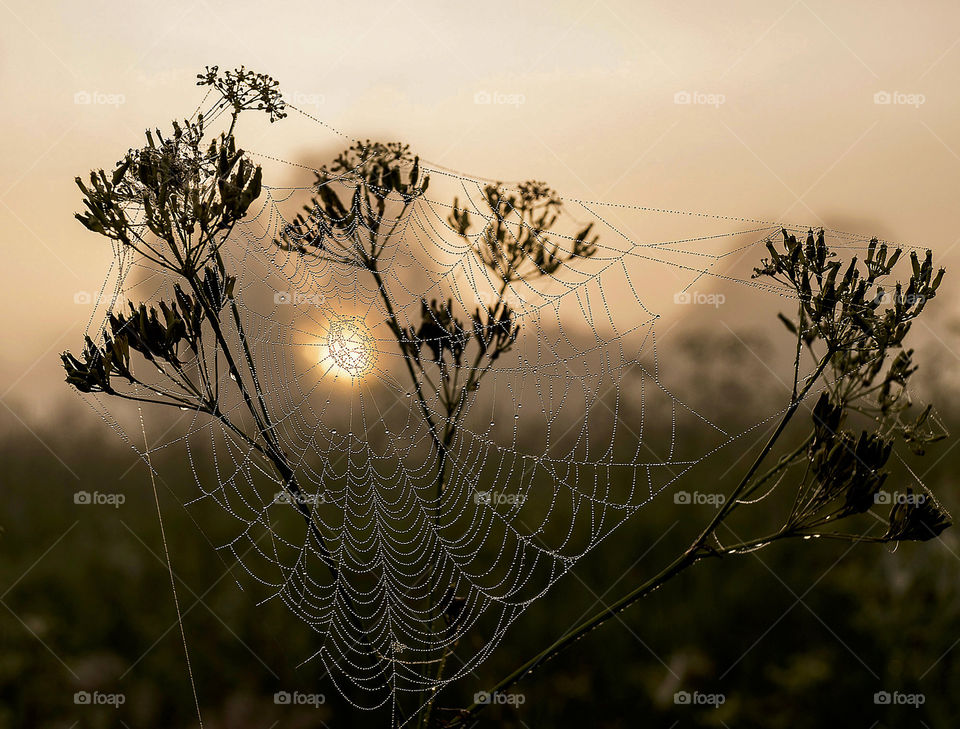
x=411 y=533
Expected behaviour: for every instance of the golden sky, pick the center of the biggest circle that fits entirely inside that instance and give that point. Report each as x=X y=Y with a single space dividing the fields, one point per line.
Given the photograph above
x=806 y=111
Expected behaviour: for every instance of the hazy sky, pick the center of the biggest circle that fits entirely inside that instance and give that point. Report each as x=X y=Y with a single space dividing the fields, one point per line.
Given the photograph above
x=784 y=121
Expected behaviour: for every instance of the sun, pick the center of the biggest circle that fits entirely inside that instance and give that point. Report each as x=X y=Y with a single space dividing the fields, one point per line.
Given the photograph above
x=350 y=346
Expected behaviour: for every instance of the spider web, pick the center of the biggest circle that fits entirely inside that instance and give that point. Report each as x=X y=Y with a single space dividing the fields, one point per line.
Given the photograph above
x=571 y=432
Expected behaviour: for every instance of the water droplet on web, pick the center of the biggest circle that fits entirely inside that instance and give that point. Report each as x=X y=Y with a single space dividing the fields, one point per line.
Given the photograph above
x=184 y=408
x=233 y=377
x=408 y=394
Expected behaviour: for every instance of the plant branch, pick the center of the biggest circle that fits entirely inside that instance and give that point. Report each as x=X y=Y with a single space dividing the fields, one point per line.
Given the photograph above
x=690 y=556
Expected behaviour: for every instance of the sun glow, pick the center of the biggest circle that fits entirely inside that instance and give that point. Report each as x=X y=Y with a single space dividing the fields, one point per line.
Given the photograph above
x=349 y=346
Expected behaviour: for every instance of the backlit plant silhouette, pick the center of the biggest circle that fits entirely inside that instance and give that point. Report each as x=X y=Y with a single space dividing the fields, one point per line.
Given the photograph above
x=176 y=202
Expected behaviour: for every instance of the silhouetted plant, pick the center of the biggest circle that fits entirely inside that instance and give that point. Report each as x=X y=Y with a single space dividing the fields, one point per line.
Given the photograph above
x=446 y=356
x=514 y=243
x=176 y=201
x=853 y=330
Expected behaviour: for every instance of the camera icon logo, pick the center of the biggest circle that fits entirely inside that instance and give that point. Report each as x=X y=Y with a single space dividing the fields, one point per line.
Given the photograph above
x=682 y=97
x=282 y=697
x=681 y=297
x=282 y=297
x=682 y=697
x=681 y=497
x=82 y=297
x=882 y=698
x=882 y=97
x=481 y=697
x=882 y=497
x=82 y=97
x=81 y=697
x=482 y=97
x=82 y=497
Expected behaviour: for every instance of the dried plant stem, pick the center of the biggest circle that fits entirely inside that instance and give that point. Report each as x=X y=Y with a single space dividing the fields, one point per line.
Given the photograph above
x=693 y=554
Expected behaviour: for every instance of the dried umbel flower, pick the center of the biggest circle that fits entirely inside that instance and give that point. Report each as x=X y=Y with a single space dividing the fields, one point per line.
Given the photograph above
x=174 y=202
x=91 y=372
x=495 y=330
x=514 y=242
x=241 y=89
x=355 y=234
x=844 y=471
x=440 y=331
x=850 y=310
x=186 y=196
x=916 y=517
x=383 y=168
x=157 y=336
x=446 y=338
x=185 y=191
x=856 y=330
